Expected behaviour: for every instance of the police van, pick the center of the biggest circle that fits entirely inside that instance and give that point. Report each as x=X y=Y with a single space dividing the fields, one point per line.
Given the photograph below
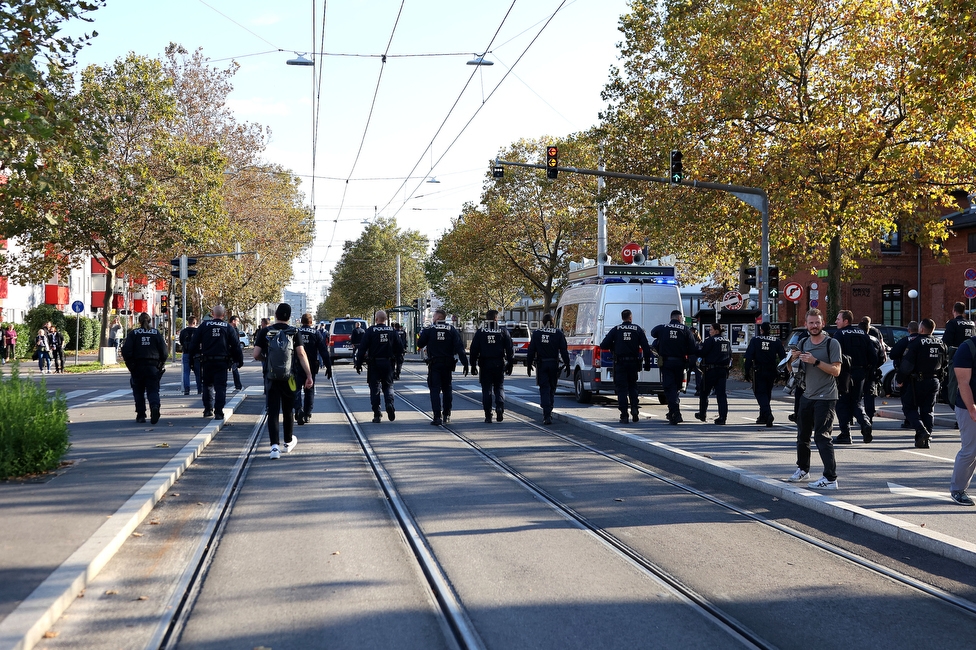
x=590 y=307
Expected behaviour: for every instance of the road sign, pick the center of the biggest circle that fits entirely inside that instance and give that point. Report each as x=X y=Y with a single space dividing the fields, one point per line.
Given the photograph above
x=814 y=304
x=793 y=291
x=732 y=300
x=77 y=306
x=971 y=292
x=629 y=251
x=971 y=274
x=969 y=283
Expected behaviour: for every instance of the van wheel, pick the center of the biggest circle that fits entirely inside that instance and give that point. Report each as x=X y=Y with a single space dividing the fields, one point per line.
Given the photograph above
x=662 y=398
x=583 y=396
x=888 y=385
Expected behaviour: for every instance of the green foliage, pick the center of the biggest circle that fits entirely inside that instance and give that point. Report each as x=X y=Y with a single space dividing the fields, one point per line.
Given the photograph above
x=87 y=332
x=33 y=426
x=38 y=316
x=25 y=340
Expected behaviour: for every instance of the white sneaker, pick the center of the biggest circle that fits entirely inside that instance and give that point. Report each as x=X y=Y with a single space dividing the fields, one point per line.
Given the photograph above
x=290 y=446
x=799 y=475
x=275 y=453
x=823 y=484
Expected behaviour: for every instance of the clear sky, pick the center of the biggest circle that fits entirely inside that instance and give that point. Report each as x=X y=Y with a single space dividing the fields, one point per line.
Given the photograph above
x=382 y=146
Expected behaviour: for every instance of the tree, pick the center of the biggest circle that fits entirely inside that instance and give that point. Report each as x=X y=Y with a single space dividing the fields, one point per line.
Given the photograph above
x=824 y=104
x=364 y=279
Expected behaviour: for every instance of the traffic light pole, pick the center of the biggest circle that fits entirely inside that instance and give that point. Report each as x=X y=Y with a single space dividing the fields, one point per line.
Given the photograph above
x=753 y=196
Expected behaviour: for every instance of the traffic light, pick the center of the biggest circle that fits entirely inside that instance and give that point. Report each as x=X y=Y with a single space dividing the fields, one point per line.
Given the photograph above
x=164 y=304
x=772 y=283
x=177 y=303
x=497 y=171
x=190 y=261
x=752 y=276
x=677 y=173
x=181 y=267
x=552 y=161
x=175 y=272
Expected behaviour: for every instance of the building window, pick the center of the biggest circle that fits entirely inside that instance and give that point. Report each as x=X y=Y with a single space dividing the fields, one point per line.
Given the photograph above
x=971 y=248
x=891 y=241
x=891 y=305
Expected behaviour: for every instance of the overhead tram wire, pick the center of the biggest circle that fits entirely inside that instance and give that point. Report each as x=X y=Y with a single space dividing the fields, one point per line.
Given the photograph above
x=449 y=113
x=478 y=110
x=316 y=113
x=249 y=31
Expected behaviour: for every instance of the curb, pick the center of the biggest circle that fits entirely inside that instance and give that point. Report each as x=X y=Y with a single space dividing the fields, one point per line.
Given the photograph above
x=26 y=625
x=903 y=531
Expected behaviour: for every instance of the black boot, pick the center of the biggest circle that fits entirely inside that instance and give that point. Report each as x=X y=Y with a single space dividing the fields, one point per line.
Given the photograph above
x=391 y=413
x=635 y=415
x=623 y=418
x=487 y=416
x=447 y=417
x=499 y=414
x=436 y=422
x=376 y=417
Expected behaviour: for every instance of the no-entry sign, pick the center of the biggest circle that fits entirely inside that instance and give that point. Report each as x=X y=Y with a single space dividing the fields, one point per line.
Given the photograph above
x=793 y=291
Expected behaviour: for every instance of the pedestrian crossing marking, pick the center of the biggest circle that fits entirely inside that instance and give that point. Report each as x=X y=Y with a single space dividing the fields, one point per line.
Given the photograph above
x=78 y=393
x=106 y=397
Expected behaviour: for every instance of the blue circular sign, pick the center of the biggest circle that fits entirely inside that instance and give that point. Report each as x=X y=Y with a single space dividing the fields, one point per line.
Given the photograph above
x=971 y=274
x=77 y=306
x=814 y=304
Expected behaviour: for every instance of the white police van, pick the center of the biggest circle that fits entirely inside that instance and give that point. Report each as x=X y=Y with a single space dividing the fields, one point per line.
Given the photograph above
x=590 y=307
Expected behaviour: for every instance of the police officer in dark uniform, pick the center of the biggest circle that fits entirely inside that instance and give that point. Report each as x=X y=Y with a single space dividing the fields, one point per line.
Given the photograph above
x=492 y=347
x=218 y=346
x=546 y=348
x=676 y=348
x=919 y=373
x=958 y=329
x=628 y=343
x=896 y=354
x=716 y=357
x=873 y=377
x=855 y=343
x=380 y=348
x=444 y=347
x=356 y=336
x=402 y=335
x=315 y=348
x=762 y=359
x=145 y=354
x=190 y=359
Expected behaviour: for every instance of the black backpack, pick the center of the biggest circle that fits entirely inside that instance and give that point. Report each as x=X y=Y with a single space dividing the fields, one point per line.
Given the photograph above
x=281 y=350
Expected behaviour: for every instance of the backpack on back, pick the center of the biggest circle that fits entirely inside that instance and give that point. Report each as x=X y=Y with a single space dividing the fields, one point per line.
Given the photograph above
x=281 y=350
x=952 y=386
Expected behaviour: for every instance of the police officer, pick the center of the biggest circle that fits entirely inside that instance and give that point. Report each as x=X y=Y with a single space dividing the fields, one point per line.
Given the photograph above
x=546 y=347
x=218 y=346
x=380 y=348
x=676 y=348
x=959 y=328
x=235 y=322
x=897 y=352
x=190 y=360
x=855 y=343
x=716 y=356
x=762 y=359
x=356 y=336
x=628 y=343
x=145 y=355
x=444 y=348
x=919 y=373
x=873 y=377
x=315 y=348
x=492 y=346
x=402 y=334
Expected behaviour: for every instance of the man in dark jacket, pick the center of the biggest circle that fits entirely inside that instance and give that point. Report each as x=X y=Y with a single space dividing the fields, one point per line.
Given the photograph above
x=676 y=350
x=716 y=357
x=444 y=349
x=761 y=367
x=854 y=342
x=218 y=345
x=145 y=355
x=628 y=343
x=315 y=349
x=492 y=347
x=379 y=349
x=546 y=348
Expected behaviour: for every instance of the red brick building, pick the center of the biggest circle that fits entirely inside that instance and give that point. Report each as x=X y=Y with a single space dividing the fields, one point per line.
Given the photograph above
x=882 y=291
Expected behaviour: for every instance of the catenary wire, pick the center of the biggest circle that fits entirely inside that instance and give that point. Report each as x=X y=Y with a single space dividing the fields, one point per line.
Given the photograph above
x=253 y=33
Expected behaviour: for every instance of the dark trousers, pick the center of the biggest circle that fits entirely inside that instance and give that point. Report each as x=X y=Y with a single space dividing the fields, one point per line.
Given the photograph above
x=762 y=386
x=304 y=397
x=439 y=377
x=918 y=397
x=492 y=379
x=671 y=379
x=189 y=362
x=237 y=377
x=58 y=356
x=547 y=376
x=815 y=417
x=714 y=379
x=214 y=384
x=850 y=406
x=144 y=380
x=625 y=374
x=379 y=374
x=281 y=398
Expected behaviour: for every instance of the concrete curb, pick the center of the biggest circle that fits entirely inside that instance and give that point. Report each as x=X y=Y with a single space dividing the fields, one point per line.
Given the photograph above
x=26 y=625
x=912 y=534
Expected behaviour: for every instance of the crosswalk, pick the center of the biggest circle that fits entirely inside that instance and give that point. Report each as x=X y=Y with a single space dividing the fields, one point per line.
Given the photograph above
x=421 y=389
x=83 y=397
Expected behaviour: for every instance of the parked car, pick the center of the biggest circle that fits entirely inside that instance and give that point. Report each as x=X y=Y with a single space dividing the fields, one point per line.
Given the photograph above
x=520 y=340
x=340 y=330
x=245 y=340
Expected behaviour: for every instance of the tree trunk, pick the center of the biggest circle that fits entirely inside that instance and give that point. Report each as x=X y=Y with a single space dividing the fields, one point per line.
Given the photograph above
x=110 y=275
x=833 y=279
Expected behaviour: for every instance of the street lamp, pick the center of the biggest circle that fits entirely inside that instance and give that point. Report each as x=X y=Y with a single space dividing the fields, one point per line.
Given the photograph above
x=480 y=60
x=913 y=294
x=300 y=59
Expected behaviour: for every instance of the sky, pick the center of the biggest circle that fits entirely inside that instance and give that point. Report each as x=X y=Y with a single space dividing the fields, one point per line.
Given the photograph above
x=385 y=129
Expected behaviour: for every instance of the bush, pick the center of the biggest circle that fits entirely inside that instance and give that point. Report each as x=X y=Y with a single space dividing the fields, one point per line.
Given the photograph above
x=86 y=332
x=25 y=341
x=33 y=426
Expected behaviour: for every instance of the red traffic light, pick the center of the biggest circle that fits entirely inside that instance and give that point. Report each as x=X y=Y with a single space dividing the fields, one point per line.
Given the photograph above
x=552 y=161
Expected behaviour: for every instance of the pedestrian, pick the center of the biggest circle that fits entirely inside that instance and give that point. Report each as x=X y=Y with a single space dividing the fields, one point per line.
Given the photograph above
x=379 y=349
x=628 y=343
x=115 y=334
x=235 y=322
x=315 y=349
x=696 y=366
x=761 y=368
x=492 y=348
x=872 y=382
x=444 y=349
x=218 y=346
x=42 y=347
x=958 y=328
x=265 y=324
x=918 y=375
x=854 y=342
x=356 y=336
x=820 y=362
x=897 y=352
x=716 y=356
x=402 y=335
x=56 y=340
x=145 y=356
x=676 y=350
x=3 y=343
x=191 y=360
x=547 y=348
x=10 y=336
x=281 y=352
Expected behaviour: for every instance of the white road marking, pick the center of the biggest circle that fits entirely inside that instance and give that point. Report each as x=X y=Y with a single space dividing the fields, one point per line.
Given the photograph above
x=912 y=492
x=106 y=397
x=918 y=453
x=78 y=393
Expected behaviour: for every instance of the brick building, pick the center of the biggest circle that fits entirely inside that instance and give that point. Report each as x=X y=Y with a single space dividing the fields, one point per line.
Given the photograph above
x=882 y=291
